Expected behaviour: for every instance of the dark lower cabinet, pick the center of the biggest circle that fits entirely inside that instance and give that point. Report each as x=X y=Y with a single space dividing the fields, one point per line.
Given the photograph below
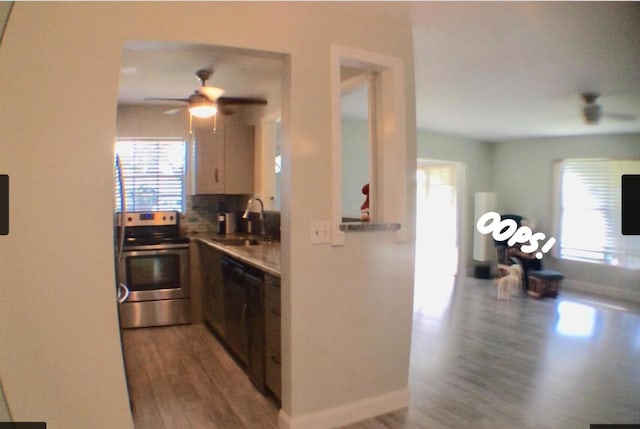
x=241 y=304
x=272 y=317
x=254 y=283
x=212 y=287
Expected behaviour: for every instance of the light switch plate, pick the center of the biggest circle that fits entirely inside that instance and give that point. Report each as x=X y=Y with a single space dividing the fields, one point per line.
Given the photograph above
x=320 y=232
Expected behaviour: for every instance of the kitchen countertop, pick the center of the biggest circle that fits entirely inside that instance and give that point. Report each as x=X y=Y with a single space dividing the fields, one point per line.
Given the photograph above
x=264 y=256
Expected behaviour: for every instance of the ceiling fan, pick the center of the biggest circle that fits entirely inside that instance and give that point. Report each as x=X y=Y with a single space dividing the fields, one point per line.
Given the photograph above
x=592 y=112
x=206 y=101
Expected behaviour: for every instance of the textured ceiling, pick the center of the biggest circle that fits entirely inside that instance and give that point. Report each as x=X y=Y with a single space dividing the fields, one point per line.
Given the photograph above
x=499 y=71
x=168 y=70
x=483 y=70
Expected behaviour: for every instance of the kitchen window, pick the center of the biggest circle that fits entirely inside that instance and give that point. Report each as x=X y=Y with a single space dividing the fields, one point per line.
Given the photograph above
x=153 y=171
x=589 y=212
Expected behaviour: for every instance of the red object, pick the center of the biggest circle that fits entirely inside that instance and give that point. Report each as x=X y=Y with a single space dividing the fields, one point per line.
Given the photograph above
x=365 y=191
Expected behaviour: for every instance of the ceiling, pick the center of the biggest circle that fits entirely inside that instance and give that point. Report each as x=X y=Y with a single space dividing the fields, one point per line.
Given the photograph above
x=168 y=70
x=500 y=71
x=483 y=70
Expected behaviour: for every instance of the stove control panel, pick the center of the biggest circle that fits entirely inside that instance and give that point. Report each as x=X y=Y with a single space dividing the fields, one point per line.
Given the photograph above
x=148 y=218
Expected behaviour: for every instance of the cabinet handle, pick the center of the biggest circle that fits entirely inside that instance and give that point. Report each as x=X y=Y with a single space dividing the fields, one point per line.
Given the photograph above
x=243 y=316
x=216 y=175
x=276 y=360
x=276 y=312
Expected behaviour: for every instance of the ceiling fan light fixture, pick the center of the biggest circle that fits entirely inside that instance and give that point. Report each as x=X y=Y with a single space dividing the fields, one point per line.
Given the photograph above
x=203 y=110
x=201 y=107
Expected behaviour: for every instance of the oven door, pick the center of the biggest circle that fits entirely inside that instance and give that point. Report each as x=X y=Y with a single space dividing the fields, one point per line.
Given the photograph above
x=155 y=272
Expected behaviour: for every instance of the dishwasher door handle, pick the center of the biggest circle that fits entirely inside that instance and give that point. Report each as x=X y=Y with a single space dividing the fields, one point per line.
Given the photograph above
x=123 y=292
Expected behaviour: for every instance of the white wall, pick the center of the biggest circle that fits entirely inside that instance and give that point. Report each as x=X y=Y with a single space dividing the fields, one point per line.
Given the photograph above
x=346 y=310
x=150 y=121
x=5 y=9
x=5 y=415
x=477 y=160
x=521 y=174
x=523 y=177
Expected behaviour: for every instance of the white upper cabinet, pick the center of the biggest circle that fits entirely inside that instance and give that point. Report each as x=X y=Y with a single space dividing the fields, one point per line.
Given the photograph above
x=223 y=160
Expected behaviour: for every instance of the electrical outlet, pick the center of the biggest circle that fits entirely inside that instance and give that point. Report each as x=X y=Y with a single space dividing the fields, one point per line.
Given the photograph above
x=320 y=232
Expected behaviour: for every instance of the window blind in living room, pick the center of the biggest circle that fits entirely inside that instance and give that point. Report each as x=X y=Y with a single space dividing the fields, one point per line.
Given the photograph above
x=590 y=212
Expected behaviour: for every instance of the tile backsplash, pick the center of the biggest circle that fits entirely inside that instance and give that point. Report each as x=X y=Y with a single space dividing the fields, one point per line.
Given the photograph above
x=200 y=215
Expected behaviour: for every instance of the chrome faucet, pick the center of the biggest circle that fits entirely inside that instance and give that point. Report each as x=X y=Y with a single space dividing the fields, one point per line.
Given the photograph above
x=263 y=232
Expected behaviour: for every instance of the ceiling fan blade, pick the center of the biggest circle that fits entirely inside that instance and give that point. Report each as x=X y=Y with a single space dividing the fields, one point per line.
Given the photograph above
x=184 y=100
x=211 y=92
x=240 y=101
x=620 y=116
x=174 y=111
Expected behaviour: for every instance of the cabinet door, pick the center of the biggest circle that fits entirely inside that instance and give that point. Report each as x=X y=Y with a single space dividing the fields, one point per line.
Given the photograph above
x=208 y=162
x=212 y=287
x=217 y=292
x=238 y=168
x=223 y=161
x=255 y=328
x=205 y=276
x=273 y=372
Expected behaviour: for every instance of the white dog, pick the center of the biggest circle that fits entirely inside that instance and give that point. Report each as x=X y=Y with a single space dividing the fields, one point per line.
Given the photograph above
x=509 y=284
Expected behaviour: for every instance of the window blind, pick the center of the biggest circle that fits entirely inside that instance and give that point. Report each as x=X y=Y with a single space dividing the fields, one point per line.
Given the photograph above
x=590 y=212
x=153 y=173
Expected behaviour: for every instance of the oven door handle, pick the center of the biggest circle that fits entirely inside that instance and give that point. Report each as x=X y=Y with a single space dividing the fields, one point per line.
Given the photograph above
x=123 y=296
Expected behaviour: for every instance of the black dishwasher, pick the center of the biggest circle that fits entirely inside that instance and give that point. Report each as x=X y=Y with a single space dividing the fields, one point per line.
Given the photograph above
x=235 y=307
x=244 y=316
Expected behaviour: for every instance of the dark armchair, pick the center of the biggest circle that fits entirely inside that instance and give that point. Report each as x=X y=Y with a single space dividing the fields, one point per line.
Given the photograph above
x=537 y=281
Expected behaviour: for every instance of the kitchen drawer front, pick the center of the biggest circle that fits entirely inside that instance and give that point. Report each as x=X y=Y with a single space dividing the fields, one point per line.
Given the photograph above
x=272 y=288
x=273 y=371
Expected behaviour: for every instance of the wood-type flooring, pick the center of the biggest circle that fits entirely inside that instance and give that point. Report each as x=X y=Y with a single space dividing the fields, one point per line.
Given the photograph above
x=180 y=377
x=480 y=363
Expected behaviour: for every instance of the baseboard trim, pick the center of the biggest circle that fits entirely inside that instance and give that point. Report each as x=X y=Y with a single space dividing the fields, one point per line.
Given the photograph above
x=347 y=414
x=603 y=290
